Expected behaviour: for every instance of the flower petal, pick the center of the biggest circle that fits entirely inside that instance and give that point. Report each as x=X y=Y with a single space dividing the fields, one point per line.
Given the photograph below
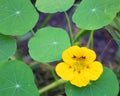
x=65 y=71
x=95 y=70
x=89 y=54
x=69 y=54
x=80 y=79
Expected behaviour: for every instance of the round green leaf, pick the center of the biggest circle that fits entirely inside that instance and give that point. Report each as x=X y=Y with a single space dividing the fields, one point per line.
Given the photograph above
x=106 y=85
x=94 y=14
x=48 y=44
x=17 y=16
x=52 y=6
x=7 y=47
x=16 y=79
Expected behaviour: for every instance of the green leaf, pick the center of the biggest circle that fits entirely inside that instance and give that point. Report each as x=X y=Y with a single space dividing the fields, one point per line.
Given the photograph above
x=106 y=85
x=17 y=16
x=16 y=79
x=94 y=14
x=7 y=47
x=52 y=6
x=48 y=44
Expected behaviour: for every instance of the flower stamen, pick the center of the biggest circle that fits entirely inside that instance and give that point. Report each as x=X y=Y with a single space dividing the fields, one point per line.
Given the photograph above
x=74 y=57
x=87 y=67
x=78 y=71
x=70 y=67
x=83 y=57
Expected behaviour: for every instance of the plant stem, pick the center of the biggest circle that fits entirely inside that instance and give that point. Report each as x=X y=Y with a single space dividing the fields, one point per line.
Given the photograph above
x=90 y=41
x=46 y=20
x=52 y=85
x=52 y=71
x=78 y=35
x=69 y=25
x=34 y=64
x=12 y=58
x=33 y=33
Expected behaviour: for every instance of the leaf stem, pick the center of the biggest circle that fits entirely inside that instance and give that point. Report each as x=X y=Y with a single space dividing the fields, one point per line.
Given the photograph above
x=52 y=86
x=69 y=25
x=78 y=35
x=52 y=71
x=46 y=20
x=34 y=64
x=33 y=33
x=90 y=41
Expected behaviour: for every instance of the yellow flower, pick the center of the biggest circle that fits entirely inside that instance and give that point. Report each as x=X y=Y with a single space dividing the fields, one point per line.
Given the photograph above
x=79 y=66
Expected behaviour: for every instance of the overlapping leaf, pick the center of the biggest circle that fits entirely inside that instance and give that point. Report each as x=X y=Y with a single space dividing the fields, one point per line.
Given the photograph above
x=94 y=14
x=17 y=16
x=7 y=47
x=52 y=6
x=16 y=79
x=48 y=44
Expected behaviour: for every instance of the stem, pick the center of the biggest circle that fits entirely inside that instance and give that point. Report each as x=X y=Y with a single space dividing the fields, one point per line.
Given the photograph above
x=90 y=41
x=52 y=85
x=34 y=64
x=78 y=35
x=52 y=71
x=106 y=47
x=46 y=20
x=12 y=58
x=24 y=37
x=33 y=33
x=69 y=25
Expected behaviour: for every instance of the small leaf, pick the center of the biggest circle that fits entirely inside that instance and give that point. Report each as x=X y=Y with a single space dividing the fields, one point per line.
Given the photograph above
x=94 y=14
x=48 y=44
x=17 y=17
x=106 y=85
x=7 y=47
x=16 y=79
x=52 y=6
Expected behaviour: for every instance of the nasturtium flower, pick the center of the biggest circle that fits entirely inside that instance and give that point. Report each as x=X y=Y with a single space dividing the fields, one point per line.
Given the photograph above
x=79 y=66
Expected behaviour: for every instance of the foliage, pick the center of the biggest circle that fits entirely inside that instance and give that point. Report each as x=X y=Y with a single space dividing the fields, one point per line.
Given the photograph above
x=17 y=82
x=8 y=47
x=56 y=6
x=95 y=14
x=42 y=46
x=18 y=17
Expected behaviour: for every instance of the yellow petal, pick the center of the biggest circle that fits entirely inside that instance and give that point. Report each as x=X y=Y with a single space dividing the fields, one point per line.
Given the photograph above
x=89 y=54
x=80 y=79
x=68 y=54
x=65 y=71
x=95 y=70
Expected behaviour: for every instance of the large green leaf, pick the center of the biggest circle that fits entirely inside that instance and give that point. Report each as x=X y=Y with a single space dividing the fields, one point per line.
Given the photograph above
x=94 y=14
x=52 y=6
x=16 y=79
x=106 y=85
x=48 y=44
x=7 y=47
x=17 y=16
